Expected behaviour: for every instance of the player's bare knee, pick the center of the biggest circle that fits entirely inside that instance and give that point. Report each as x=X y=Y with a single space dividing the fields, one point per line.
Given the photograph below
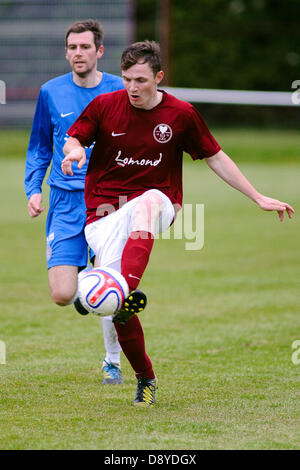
x=63 y=284
x=147 y=211
x=61 y=297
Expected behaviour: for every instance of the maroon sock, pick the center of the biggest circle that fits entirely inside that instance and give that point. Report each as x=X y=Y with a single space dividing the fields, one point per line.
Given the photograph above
x=131 y=339
x=135 y=257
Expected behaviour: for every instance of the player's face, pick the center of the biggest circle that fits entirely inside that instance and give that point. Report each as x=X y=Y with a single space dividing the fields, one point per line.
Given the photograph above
x=141 y=85
x=82 y=54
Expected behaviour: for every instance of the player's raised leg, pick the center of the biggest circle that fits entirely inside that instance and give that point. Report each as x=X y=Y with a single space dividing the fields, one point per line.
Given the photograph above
x=135 y=257
x=138 y=247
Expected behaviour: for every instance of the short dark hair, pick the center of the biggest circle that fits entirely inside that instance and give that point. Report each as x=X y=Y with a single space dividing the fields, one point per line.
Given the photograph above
x=142 y=52
x=87 y=25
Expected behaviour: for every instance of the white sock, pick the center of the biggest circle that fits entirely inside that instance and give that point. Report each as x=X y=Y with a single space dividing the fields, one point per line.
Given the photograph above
x=111 y=343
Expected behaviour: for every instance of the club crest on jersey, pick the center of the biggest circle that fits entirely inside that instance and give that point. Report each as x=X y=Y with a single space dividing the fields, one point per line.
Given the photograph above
x=162 y=133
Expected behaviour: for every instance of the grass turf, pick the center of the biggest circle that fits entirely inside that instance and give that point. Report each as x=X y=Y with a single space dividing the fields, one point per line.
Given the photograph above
x=219 y=325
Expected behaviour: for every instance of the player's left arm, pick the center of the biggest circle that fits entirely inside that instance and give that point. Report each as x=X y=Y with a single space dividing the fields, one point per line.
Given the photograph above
x=226 y=169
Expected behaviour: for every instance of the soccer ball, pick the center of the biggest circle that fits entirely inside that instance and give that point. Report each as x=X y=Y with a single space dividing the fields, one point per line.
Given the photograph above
x=102 y=290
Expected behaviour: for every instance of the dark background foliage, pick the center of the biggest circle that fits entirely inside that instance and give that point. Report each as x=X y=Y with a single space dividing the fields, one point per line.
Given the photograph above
x=237 y=44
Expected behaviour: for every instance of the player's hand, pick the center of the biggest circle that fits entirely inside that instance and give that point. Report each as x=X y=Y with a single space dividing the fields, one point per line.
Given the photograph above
x=269 y=204
x=75 y=155
x=34 y=205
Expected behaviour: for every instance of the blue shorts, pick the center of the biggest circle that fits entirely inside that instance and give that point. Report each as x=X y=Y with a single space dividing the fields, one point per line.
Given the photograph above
x=66 y=243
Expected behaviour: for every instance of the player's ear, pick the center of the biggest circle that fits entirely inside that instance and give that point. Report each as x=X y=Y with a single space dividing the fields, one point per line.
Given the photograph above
x=159 y=77
x=100 y=52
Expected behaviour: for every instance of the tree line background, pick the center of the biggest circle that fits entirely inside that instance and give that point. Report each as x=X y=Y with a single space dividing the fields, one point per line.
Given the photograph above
x=235 y=44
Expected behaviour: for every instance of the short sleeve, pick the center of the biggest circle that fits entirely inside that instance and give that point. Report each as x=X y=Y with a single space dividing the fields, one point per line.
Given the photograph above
x=198 y=140
x=86 y=126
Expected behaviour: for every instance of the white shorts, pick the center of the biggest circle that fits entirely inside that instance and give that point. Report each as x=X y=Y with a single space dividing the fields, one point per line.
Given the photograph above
x=107 y=236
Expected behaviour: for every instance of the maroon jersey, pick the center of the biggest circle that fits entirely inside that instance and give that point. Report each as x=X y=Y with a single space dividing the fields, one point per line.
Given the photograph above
x=136 y=150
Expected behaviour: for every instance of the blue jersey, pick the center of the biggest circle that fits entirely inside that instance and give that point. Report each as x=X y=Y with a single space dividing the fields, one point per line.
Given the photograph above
x=59 y=104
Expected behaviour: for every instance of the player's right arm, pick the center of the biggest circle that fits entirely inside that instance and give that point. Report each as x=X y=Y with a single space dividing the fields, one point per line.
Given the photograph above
x=39 y=155
x=35 y=205
x=74 y=152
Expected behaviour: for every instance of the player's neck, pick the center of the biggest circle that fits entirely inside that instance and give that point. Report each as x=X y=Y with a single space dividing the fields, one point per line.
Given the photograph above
x=89 y=81
x=157 y=98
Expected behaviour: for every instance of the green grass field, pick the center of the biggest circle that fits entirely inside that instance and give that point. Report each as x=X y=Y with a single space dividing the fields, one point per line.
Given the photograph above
x=219 y=326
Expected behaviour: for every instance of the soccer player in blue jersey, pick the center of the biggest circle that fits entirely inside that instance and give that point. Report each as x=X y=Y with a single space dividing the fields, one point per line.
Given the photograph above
x=61 y=100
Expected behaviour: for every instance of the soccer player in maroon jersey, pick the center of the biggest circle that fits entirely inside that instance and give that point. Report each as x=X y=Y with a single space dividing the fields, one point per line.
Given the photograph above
x=134 y=182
